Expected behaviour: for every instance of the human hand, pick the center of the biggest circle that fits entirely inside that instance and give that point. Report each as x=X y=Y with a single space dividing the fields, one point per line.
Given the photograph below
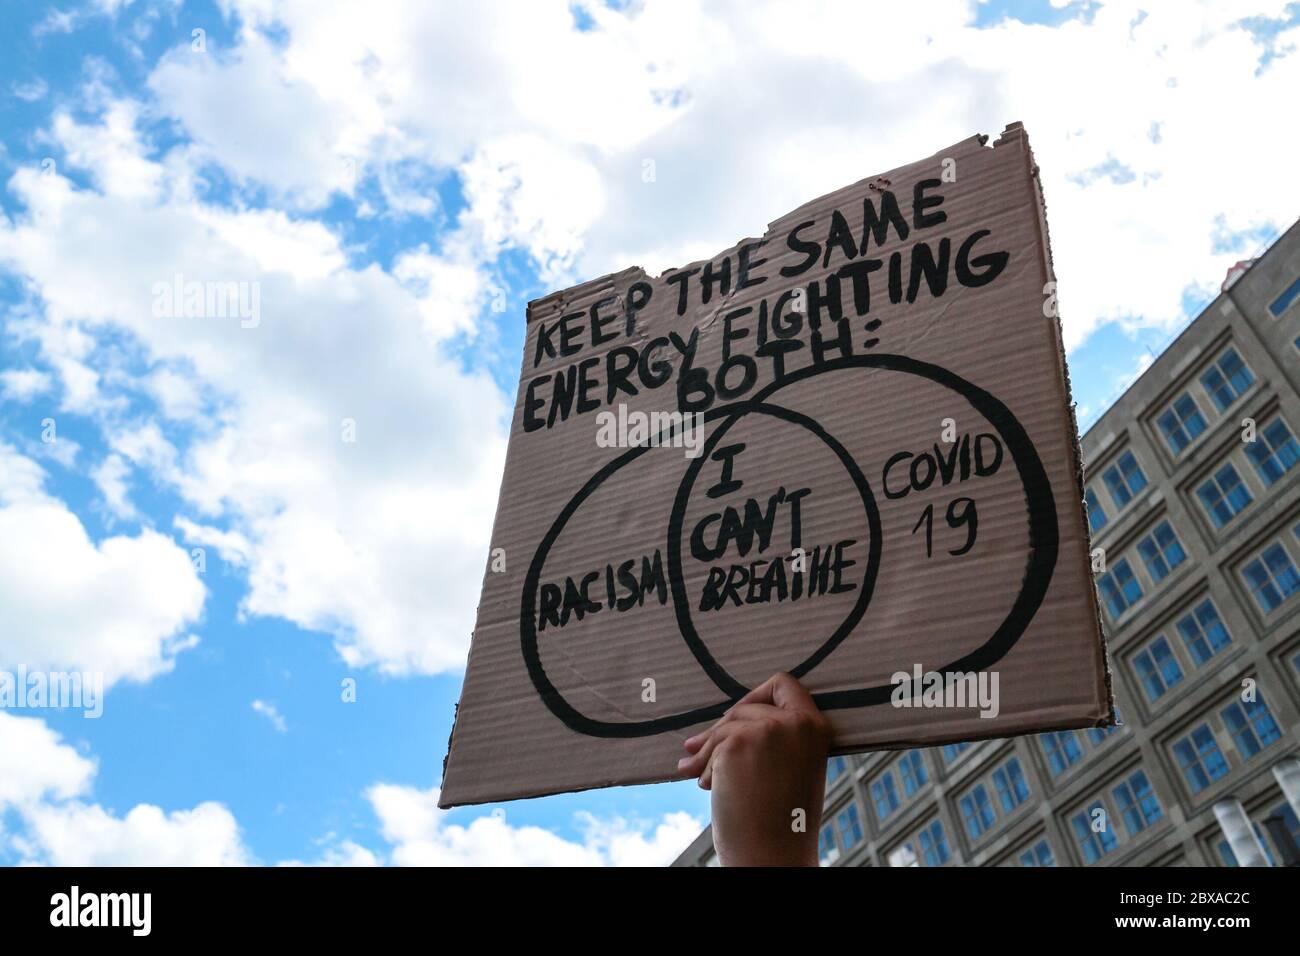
x=764 y=761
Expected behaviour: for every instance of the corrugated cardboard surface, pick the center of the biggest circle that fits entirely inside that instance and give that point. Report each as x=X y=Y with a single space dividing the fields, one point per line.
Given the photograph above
x=557 y=701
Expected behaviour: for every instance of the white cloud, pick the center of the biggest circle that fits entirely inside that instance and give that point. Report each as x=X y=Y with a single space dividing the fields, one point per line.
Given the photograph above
x=747 y=110
x=109 y=151
x=340 y=535
x=234 y=104
x=30 y=91
x=37 y=765
x=450 y=289
x=119 y=606
x=272 y=714
x=178 y=396
x=110 y=476
x=423 y=835
x=78 y=834
x=342 y=853
x=232 y=546
x=622 y=843
x=46 y=781
x=23 y=384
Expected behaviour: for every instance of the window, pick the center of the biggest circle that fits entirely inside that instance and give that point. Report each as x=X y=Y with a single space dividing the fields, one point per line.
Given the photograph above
x=1181 y=422
x=885 y=795
x=1061 y=748
x=977 y=811
x=1203 y=633
x=952 y=751
x=1009 y=781
x=827 y=851
x=934 y=845
x=1137 y=803
x=1274 y=451
x=1096 y=515
x=1289 y=819
x=1271 y=577
x=1251 y=724
x=1199 y=758
x=1224 y=496
x=1283 y=301
x=1157 y=668
x=1161 y=551
x=1094 y=842
x=850 y=826
x=1119 y=588
x=836 y=767
x=1226 y=855
x=1124 y=479
x=1226 y=379
x=1040 y=854
x=912 y=768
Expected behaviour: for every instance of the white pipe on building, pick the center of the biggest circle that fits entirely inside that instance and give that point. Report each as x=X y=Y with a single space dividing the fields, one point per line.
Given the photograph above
x=1241 y=836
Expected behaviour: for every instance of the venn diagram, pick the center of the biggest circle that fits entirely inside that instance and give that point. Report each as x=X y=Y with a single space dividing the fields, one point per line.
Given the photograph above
x=1040 y=559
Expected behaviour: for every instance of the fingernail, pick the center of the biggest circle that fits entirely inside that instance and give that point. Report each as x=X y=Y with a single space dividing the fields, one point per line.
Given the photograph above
x=683 y=762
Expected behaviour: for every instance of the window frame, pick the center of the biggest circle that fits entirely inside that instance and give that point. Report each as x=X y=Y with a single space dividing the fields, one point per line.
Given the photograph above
x=1291 y=294
x=1147 y=651
x=1225 y=497
x=1198 y=755
x=1226 y=381
x=979 y=815
x=1161 y=552
x=1291 y=444
x=1289 y=573
x=1171 y=409
x=1194 y=614
x=1114 y=476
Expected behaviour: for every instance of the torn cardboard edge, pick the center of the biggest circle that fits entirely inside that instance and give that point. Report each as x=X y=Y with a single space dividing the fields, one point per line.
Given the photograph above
x=1016 y=131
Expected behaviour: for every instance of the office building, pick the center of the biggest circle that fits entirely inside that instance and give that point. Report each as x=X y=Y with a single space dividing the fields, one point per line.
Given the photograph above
x=1193 y=487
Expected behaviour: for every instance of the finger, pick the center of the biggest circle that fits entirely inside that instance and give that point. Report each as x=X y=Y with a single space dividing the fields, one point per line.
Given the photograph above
x=739 y=711
x=744 y=711
x=706 y=778
x=693 y=765
x=706 y=775
x=781 y=690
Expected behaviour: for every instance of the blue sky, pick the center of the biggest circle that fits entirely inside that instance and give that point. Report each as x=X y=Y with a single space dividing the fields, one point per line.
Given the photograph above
x=399 y=186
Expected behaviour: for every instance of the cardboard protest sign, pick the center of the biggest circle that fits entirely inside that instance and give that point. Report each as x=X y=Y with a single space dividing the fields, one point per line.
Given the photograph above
x=845 y=450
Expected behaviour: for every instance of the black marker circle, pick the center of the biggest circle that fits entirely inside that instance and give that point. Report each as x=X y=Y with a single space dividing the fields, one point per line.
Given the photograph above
x=682 y=605
x=1044 y=546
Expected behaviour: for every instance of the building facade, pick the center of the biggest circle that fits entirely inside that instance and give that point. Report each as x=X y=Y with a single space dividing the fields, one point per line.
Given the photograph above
x=1193 y=487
